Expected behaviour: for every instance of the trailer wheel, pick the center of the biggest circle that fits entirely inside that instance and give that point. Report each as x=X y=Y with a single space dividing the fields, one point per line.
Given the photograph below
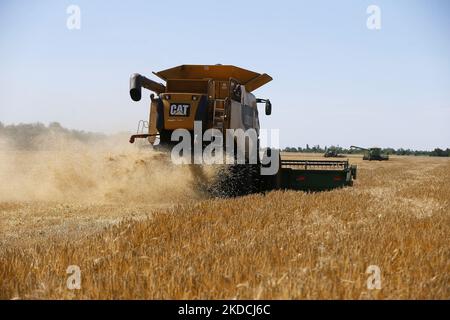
x=353 y=171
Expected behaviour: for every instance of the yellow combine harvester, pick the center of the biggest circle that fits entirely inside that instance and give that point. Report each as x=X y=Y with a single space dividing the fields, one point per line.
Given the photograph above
x=220 y=97
x=217 y=95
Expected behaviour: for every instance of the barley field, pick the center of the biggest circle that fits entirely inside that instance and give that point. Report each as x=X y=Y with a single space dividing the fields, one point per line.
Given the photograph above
x=138 y=230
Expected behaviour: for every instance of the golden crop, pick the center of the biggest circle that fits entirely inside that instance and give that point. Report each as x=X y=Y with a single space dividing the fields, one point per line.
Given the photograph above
x=164 y=244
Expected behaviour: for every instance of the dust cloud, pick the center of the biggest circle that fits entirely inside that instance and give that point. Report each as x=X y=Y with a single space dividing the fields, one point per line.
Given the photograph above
x=59 y=166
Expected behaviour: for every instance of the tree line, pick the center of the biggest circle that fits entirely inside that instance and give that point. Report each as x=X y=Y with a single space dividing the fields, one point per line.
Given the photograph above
x=437 y=152
x=25 y=136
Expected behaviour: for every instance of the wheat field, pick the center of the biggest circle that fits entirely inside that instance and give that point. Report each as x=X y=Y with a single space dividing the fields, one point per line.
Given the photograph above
x=138 y=230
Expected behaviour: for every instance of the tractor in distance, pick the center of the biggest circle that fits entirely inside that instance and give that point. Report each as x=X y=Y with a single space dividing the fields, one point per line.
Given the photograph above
x=332 y=152
x=372 y=153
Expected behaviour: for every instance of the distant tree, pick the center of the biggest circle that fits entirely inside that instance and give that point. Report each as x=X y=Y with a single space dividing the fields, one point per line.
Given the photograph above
x=26 y=136
x=389 y=150
x=440 y=153
x=401 y=151
x=55 y=126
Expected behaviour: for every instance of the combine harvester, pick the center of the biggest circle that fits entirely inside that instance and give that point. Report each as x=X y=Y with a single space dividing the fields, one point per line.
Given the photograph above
x=332 y=152
x=372 y=154
x=220 y=97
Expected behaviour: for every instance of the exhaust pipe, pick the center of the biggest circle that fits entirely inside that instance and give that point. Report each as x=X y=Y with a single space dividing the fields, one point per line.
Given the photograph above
x=137 y=82
x=135 y=87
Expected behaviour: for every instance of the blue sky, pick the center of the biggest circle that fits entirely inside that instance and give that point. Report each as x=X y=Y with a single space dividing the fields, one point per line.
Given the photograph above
x=335 y=81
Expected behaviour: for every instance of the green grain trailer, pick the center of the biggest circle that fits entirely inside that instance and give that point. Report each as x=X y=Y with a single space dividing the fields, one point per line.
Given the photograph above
x=314 y=175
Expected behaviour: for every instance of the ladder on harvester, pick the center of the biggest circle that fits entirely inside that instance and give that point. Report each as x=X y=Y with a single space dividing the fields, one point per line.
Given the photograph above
x=219 y=114
x=142 y=126
x=141 y=130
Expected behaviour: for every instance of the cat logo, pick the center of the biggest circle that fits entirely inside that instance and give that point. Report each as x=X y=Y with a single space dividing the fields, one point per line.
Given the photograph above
x=179 y=110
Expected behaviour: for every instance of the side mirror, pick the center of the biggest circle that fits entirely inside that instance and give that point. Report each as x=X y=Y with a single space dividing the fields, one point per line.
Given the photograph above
x=268 y=108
